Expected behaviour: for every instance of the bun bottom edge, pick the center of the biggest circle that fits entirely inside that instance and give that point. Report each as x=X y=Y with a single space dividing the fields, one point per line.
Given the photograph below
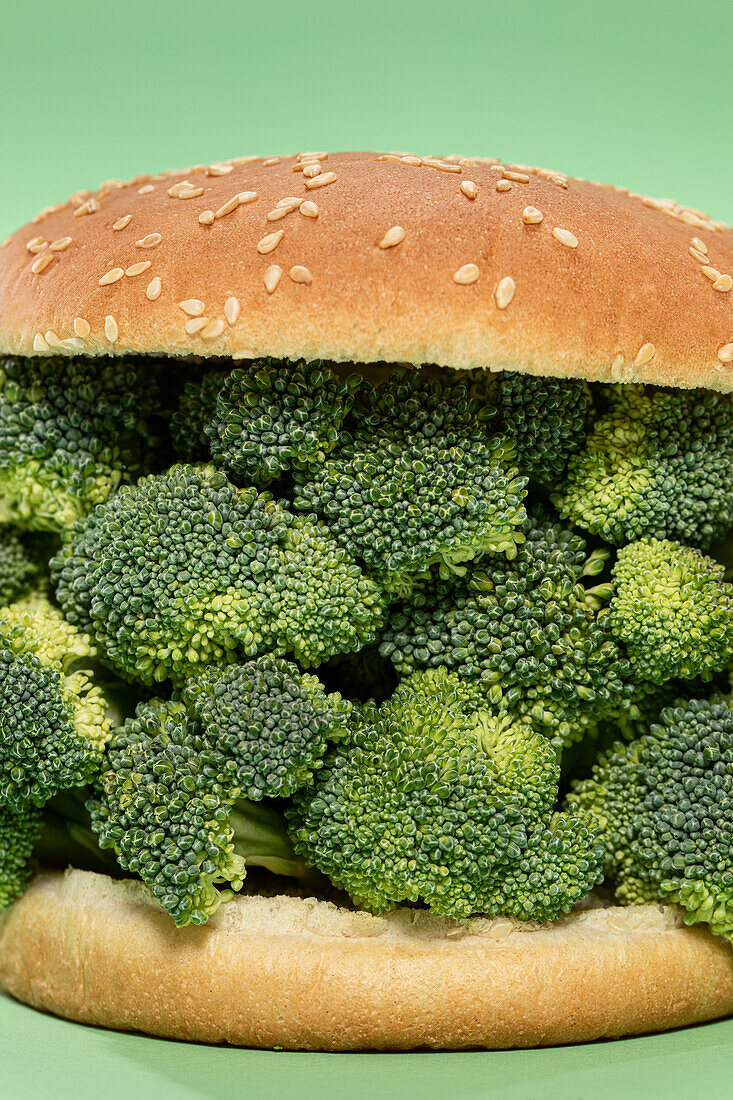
x=302 y=974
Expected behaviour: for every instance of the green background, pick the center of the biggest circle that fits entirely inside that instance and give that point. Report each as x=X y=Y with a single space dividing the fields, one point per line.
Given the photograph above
x=633 y=91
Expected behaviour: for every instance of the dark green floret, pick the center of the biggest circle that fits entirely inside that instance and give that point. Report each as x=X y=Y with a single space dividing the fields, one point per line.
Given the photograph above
x=18 y=567
x=672 y=611
x=272 y=719
x=275 y=416
x=418 y=479
x=547 y=419
x=19 y=832
x=71 y=431
x=438 y=798
x=184 y=570
x=664 y=808
x=53 y=719
x=195 y=411
x=657 y=464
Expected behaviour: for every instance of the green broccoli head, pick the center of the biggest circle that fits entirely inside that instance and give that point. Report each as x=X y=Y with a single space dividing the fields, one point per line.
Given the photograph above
x=184 y=570
x=437 y=798
x=71 y=431
x=18 y=567
x=417 y=479
x=194 y=412
x=272 y=719
x=664 y=808
x=657 y=464
x=547 y=419
x=672 y=610
x=524 y=629
x=53 y=719
x=275 y=416
x=19 y=832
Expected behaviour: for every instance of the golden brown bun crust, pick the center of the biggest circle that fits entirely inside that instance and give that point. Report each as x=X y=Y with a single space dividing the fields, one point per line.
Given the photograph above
x=629 y=303
x=305 y=975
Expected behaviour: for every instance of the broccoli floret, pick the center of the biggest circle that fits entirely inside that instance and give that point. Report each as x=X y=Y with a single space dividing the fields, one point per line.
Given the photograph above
x=664 y=807
x=658 y=464
x=547 y=419
x=277 y=415
x=18 y=568
x=437 y=798
x=19 y=831
x=672 y=610
x=53 y=719
x=184 y=570
x=71 y=430
x=195 y=410
x=526 y=630
x=417 y=479
x=272 y=719
x=167 y=806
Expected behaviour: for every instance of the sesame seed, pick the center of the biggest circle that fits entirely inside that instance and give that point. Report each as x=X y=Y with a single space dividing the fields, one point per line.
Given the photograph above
x=206 y=217
x=149 y=241
x=518 y=177
x=72 y=343
x=122 y=222
x=645 y=353
x=469 y=273
x=725 y=354
x=235 y=201
x=39 y=343
x=232 y=310
x=41 y=263
x=531 y=215
x=60 y=244
x=191 y=193
x=272 y=277
x=195 y=325
x=564 y=236
x=469 y=189
x=699 y=245
x=618 y=368
x=290 y=200
x=52 y=339
x=497 y=168
x=393 y=236
x=194 y=307
x=309 y=209
x=504 y=185
x=145 y=189
x=153 y=289
x=91 y=206
x=701 y=257
x=213 y=329
x=36 y=244
x=82 y=327
x=321 y=181
x=219 y=169
x=111 y=331
x=175 y=190
x=312 y=156
x=724 y=283
x=270 y=242
x=111 y=276
x=270 y=162
x=300 y=274
x=310 y=171
x=710 y=273
x=138 y=268
x=280 y=212
x=409 y=158
x=504 y=292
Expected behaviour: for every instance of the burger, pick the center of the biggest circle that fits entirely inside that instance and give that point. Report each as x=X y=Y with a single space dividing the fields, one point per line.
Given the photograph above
x=365 y=621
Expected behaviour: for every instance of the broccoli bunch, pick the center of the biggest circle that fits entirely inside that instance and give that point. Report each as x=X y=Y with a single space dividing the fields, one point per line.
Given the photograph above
x=71 y=431
x=547 y=419
x=664 y=808
x=525 y=630
x=657 y=464
x=184 y=570
x=417 y=479
x=436 y=797
x=672 y=610
x=18 y=566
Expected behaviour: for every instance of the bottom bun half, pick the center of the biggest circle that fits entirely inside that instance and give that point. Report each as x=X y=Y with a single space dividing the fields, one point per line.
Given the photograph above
x=303 y=974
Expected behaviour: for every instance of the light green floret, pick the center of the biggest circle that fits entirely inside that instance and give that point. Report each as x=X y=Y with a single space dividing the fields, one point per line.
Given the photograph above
x=185 y=570
x=274 y=416
x=657 y=464
x=664 y=808
x=272 y=719
x=436 y=797
x=672 y=610
x=71 y=431
x=53 y=720
x=19 y=831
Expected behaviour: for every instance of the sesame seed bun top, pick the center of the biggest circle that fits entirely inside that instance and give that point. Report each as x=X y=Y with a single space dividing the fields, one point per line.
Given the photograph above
x=462 y=262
